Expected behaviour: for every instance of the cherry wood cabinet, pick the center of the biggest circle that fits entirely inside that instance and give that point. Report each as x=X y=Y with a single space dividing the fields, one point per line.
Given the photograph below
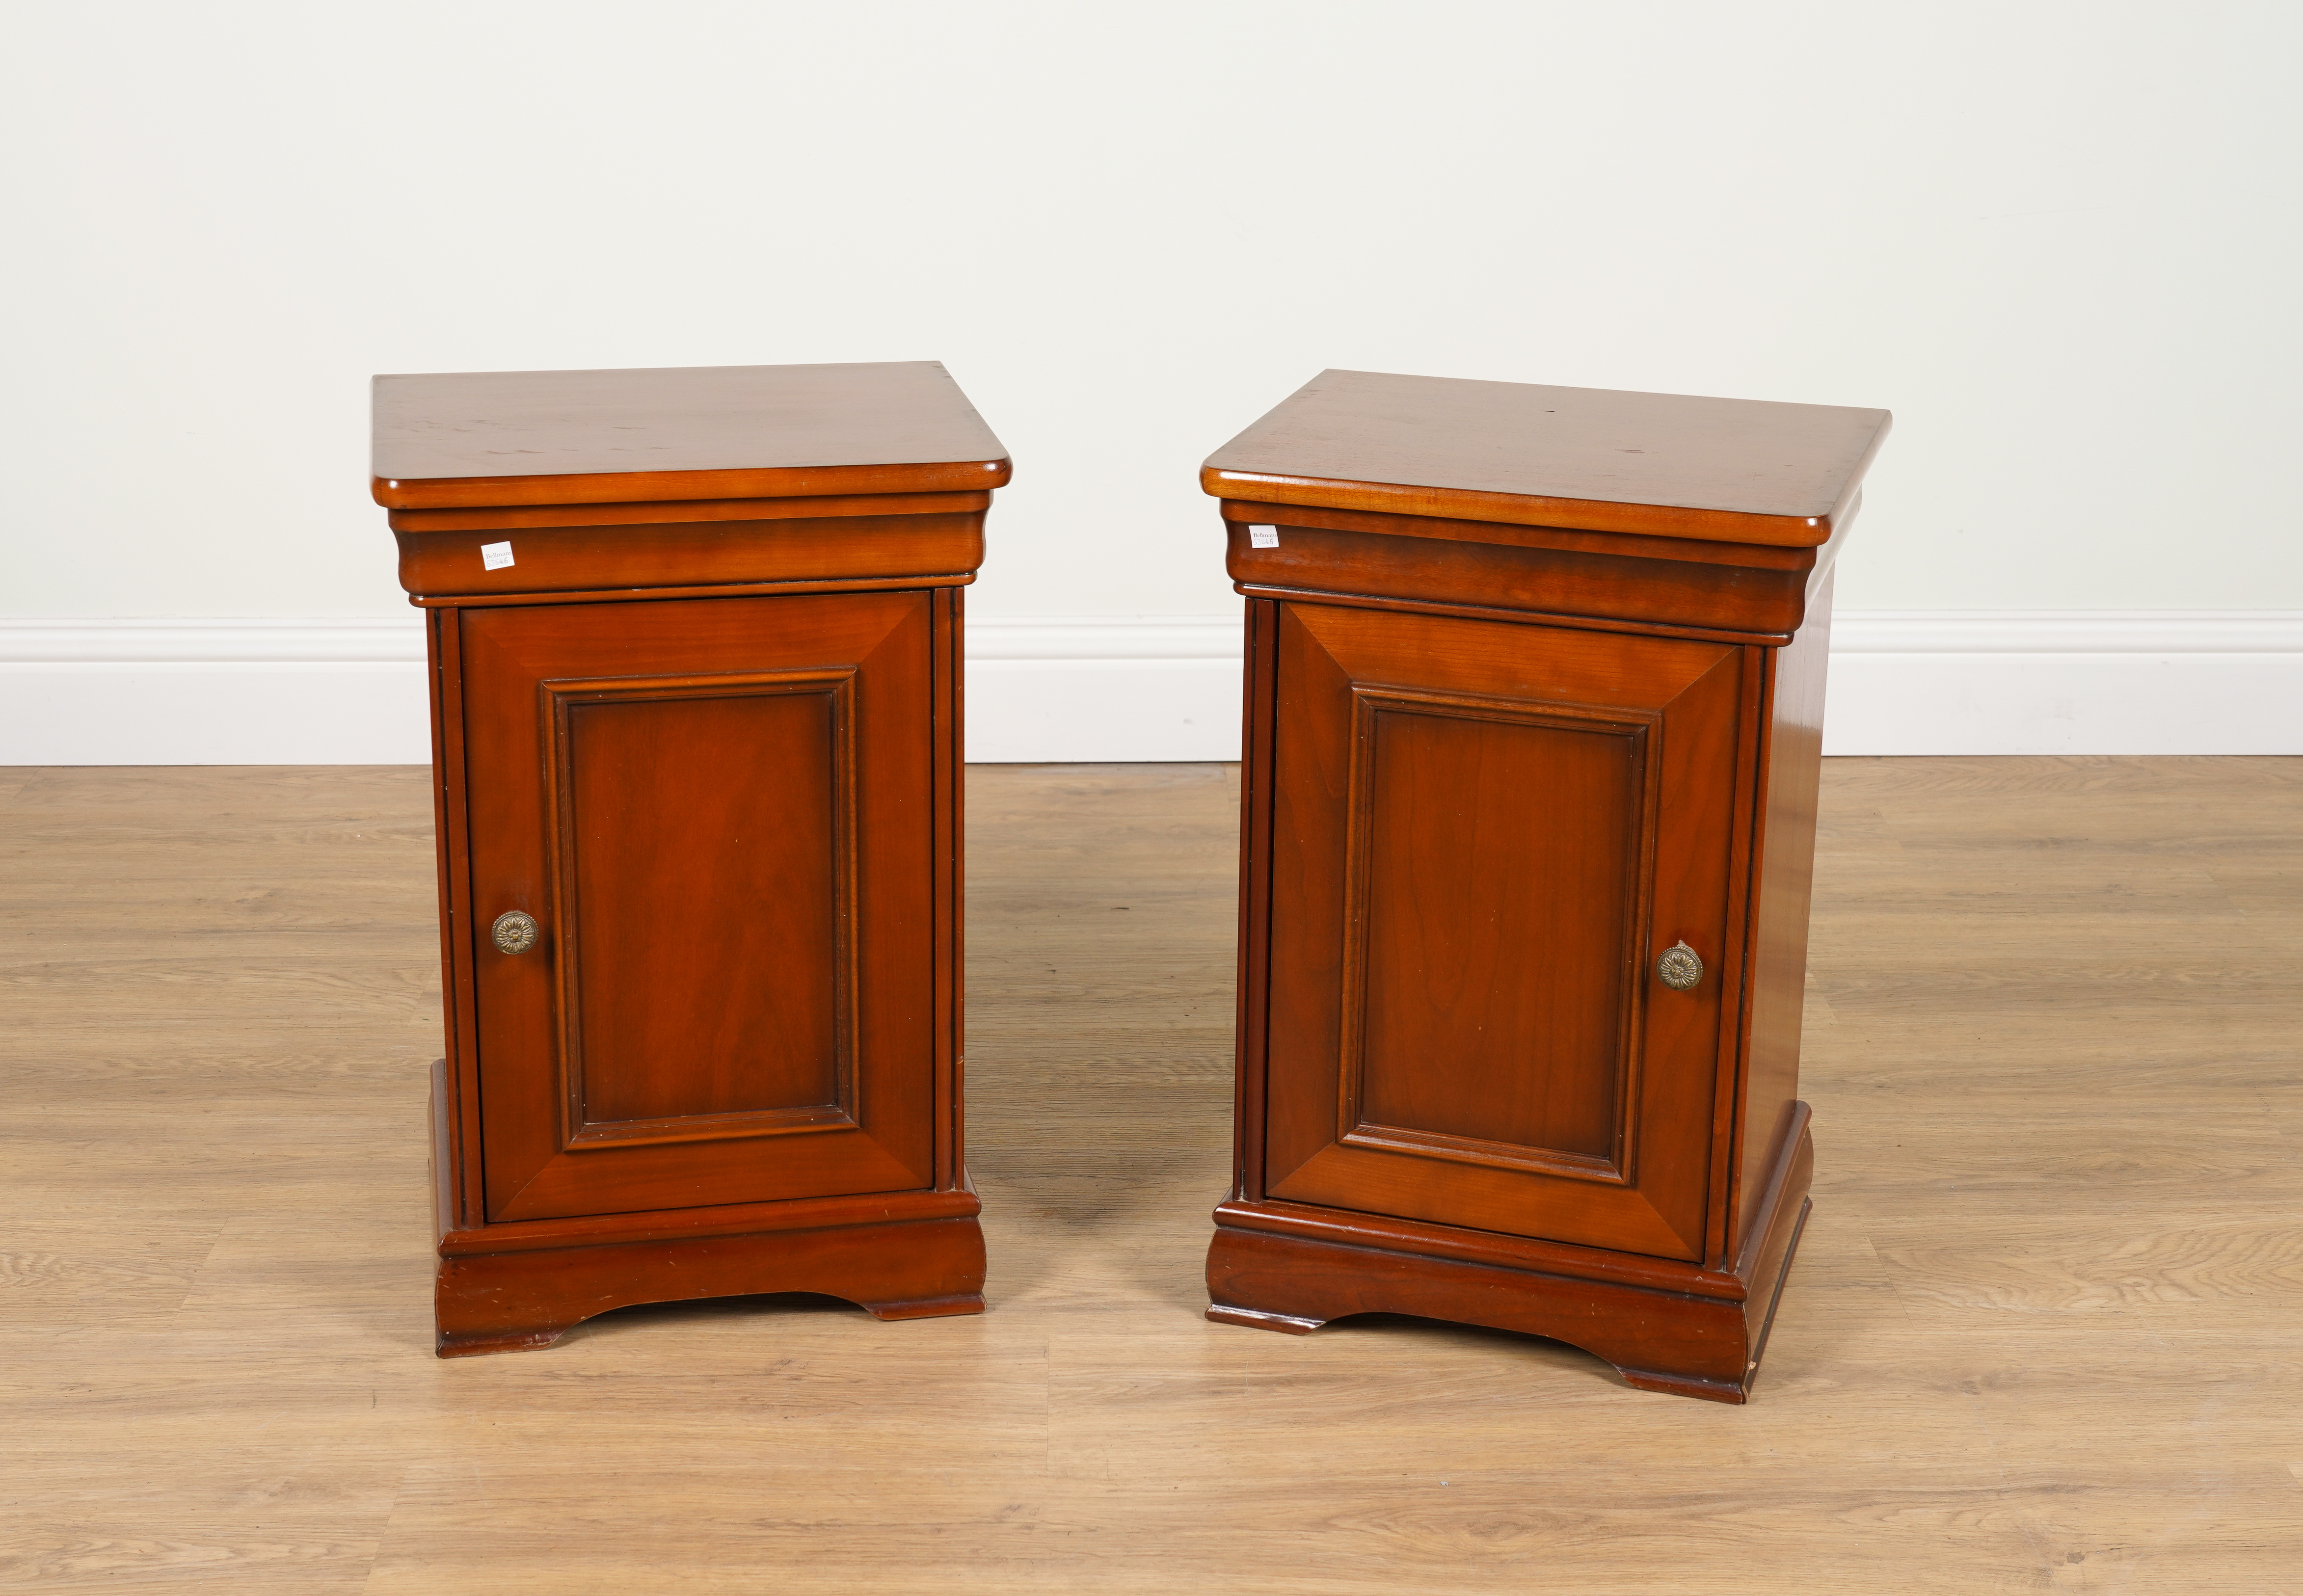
x=1534 y=703
x=695 y=643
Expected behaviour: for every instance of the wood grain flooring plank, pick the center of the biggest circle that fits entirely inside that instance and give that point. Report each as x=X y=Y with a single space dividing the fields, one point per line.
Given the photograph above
x=2040 y=1337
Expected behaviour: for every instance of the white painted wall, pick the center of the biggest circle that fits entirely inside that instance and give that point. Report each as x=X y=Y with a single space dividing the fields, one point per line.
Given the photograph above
x=2058 y=240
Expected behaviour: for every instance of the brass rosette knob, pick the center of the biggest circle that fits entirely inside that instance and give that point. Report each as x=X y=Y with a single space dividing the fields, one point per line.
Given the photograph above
x=1679 y=968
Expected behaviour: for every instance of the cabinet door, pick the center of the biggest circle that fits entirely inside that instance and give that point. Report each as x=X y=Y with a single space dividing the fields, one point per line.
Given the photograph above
x=719 y=812
x=1482 y=836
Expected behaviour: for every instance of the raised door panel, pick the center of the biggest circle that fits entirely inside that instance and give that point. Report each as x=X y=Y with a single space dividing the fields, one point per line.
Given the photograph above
x=1488 y=940
x=711 y=811
x=718 y=813
x=1484 y=835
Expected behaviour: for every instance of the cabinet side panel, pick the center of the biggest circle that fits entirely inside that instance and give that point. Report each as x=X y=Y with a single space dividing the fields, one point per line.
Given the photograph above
x=948 y=739
x=1784 y=885
x=1254 y=996
x=461 y=1081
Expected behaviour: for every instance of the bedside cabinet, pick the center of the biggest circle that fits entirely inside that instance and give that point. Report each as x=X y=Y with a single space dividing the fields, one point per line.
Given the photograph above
x=1534 y=703
x=695 y=694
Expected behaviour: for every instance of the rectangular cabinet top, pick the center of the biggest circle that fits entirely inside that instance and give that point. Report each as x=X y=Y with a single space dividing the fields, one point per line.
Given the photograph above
x=1735 y=470
x=456 y=439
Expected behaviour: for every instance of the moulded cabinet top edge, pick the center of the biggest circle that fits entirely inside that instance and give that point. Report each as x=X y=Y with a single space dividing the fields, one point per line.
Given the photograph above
x=477 y=438
x=1738 y=470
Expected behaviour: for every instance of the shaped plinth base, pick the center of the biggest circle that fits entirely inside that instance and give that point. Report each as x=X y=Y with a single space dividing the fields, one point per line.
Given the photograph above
x=508 y=1301
x=1664 y=1327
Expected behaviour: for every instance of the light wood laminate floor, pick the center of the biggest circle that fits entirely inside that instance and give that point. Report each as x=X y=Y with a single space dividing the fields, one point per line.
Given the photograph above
x=2044 y=1332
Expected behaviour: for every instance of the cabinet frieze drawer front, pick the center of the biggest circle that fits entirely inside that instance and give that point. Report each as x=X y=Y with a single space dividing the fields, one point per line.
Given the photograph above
x=1542 y=581
x=689 y=554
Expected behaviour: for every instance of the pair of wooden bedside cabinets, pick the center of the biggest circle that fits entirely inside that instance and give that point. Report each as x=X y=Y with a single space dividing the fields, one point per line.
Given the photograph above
x=1534 y=688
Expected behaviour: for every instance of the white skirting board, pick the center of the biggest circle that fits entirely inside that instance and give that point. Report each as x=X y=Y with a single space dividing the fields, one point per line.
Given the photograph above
x=1166 y=688
x=214 y=692
x=2065 y=682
